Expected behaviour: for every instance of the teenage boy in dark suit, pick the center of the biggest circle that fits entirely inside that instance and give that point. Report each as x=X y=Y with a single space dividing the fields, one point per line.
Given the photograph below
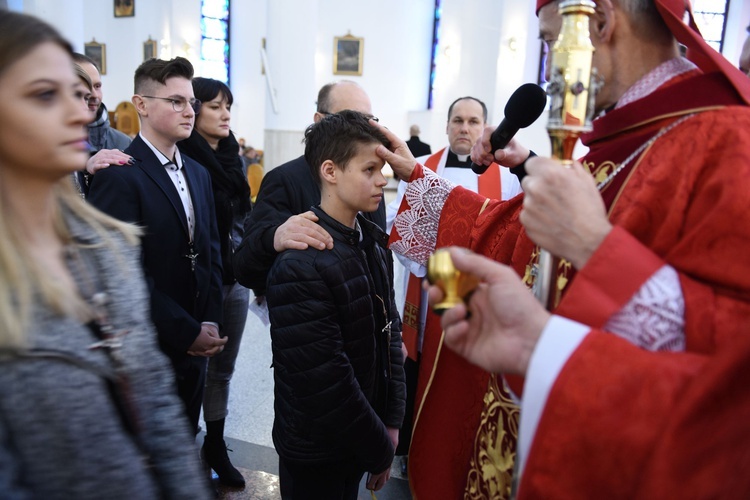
x=170 y=196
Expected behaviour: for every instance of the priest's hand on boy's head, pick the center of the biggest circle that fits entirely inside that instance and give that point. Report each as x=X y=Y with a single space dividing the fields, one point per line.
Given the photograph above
x=398 y=157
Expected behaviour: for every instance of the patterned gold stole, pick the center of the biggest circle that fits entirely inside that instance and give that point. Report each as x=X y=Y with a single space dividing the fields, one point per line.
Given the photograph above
x=491 y=467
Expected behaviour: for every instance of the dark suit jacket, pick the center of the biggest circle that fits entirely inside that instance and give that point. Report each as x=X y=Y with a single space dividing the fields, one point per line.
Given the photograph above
x=417 y=147
x=145 y=195
x=286 y=190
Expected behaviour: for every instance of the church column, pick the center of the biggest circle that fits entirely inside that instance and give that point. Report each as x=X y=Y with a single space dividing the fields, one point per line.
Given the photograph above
x=292 y=29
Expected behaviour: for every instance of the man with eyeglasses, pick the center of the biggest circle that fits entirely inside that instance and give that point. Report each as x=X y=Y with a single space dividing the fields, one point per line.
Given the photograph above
x=170 y=197
x=281 y=218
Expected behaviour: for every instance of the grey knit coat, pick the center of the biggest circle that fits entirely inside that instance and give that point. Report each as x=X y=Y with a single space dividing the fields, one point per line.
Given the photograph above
x=61 y=436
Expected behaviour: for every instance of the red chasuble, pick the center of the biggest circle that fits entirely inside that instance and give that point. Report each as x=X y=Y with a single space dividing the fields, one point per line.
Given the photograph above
x=684 y=202
x=659 y=425
x=431 y=475
x=681 y=201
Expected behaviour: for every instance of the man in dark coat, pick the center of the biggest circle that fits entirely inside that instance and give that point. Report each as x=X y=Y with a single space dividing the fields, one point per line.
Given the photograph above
x=281 y=218
x=417 y=147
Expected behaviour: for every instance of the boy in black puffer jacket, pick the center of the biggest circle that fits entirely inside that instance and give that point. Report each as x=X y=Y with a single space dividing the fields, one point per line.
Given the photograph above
x=335 y=331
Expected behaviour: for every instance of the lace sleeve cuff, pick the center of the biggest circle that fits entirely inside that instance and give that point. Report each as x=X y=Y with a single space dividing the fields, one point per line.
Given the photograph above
x=415 y=228
x=654 y=318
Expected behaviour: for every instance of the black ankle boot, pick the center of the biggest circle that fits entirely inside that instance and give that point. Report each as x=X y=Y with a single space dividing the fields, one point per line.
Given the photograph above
x=214 y=454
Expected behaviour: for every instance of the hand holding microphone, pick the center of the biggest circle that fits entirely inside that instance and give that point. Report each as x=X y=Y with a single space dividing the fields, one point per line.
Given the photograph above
x=523 y=108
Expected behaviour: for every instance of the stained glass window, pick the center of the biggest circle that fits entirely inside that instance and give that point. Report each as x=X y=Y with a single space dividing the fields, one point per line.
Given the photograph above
x=435 y=43
x=711 y=18
x=214 y=52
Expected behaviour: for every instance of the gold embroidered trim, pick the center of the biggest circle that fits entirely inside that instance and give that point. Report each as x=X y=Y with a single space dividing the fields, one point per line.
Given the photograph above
x=491 y=468
x=484 y=205
x=429 y=385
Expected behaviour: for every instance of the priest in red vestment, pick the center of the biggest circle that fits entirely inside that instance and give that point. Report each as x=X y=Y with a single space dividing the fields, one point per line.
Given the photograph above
x=467 y=117
x=653 y=224
x=601 y=417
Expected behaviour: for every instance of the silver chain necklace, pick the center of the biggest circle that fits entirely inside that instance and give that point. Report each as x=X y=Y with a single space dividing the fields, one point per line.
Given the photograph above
x=638 y=151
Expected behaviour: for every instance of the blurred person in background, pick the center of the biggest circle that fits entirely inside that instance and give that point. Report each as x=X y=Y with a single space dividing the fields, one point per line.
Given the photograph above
x=84 y=91
x=416 y=146
x=106 y=143
x=745 y=55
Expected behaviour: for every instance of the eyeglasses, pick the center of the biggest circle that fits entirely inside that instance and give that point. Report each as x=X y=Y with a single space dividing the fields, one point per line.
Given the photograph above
x=369 y=117
x=179 y=104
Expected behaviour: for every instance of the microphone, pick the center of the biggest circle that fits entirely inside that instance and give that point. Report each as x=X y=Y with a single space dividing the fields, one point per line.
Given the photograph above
x=523 y=108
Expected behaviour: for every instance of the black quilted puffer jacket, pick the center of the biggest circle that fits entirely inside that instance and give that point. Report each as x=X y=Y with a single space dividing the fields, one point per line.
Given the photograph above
x=336 y=337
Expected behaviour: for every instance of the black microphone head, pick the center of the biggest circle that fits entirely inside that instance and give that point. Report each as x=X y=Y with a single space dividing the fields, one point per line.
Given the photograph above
x=525 y=105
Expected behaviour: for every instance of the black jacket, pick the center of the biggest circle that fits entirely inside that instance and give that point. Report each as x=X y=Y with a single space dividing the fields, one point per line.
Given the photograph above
x=338 y=371
x=230 y=189
x=286 y=190
x=417 y=147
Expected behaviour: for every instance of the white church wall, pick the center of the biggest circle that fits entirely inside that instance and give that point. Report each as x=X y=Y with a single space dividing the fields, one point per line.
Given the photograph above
x=487 y=49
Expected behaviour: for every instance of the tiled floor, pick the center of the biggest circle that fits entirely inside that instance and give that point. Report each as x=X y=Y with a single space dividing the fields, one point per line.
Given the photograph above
x=248 y=426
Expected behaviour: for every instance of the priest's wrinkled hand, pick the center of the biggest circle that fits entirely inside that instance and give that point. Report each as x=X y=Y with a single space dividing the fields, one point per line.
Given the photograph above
x=510 y=156
x=301 y=231
x=398 y=157
x=503 y=321
x=563 y=211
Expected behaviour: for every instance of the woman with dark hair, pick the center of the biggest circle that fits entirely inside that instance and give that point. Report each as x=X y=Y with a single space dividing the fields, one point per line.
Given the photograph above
x=87 y=405
x=213 y=145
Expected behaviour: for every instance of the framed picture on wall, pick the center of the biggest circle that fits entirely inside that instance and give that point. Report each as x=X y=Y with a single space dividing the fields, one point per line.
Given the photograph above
x=124 y=8
x=98 y=53
x=347 y=55
x=149 y=49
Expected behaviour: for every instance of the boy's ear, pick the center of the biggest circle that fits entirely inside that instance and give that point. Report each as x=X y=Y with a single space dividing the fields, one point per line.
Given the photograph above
x=328 y=172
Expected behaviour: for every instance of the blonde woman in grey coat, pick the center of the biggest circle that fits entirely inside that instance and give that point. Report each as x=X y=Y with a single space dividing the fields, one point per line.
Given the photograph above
x=87 y=408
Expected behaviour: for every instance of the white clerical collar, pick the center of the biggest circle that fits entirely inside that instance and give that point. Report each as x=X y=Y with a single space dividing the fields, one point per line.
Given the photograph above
x=161 y=157
x=461 y=158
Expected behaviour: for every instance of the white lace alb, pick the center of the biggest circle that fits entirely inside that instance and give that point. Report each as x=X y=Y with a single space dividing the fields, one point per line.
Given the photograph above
x=654 y=318
x=418 y=224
